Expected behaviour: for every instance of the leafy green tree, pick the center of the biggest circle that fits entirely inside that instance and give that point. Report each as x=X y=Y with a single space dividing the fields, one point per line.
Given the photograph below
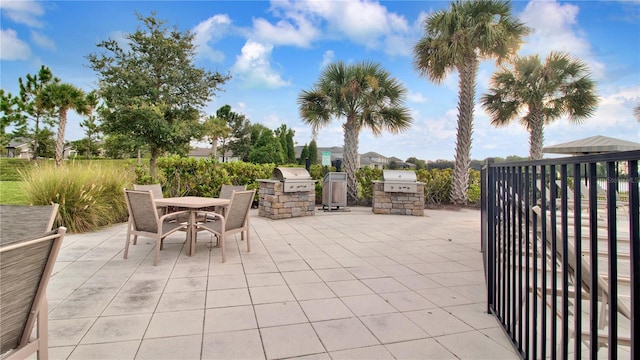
x=9 y=114
x=215 y=129
x=123 y=147
x=267 y=149
x=36 y=113
x=313 y=152
x=153 y=91
x=367 y=96
x=457 y=39
x=241 y=135
x=291 y=149
x=90 y=125
x=304 y=154
x=235 y=125
x=420 y=164
x=285 y=136
x=63 y=97
x=542 y=92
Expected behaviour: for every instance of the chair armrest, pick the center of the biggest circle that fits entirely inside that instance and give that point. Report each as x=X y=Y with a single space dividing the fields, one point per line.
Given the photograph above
x=171 y=216
x=210 y=215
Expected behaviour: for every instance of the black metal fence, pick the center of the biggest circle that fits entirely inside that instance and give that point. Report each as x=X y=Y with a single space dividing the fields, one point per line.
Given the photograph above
x=562 y=257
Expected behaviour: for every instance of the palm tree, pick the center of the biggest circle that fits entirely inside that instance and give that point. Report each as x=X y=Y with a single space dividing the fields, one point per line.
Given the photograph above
x=636 y=112
x=366 y=96
x=457 y=39
x=540 y=93
x=63 y=97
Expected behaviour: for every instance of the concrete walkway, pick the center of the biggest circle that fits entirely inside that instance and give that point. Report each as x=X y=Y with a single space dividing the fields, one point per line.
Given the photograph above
x=339 y=285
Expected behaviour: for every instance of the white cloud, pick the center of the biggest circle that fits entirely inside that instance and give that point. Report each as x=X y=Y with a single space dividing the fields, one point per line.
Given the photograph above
x=362 y=22
x=253 y=66
x=23 y=12
x=416 y=97
x=296 y=31
x=327 y=58
x=555 y=29
x=208 y=32
x=12 y=48
x=43 y=41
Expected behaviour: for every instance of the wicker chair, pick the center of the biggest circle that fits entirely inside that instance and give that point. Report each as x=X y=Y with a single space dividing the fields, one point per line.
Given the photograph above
x=25 y=269
x=19 y=222
x=226 y=190
x=144 y=220
x=235 y=221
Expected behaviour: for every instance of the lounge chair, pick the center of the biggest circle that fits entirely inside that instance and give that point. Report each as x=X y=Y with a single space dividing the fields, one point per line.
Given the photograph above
x=144 y=220
x=235 y=220
x=19 y=222
x=585 y=285
x=25 y=269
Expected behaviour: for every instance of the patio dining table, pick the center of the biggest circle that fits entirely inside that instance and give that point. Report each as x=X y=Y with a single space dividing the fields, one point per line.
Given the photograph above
x=193 y=203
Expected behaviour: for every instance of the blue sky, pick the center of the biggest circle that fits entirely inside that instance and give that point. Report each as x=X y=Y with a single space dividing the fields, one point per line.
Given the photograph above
x=275 y=49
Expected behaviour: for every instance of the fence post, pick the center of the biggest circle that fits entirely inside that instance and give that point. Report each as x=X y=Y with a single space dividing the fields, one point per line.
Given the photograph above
x=487 y=198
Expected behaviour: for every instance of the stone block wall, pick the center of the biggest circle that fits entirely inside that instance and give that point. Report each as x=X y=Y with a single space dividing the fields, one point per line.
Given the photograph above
x=398 y=203
x=275 y=204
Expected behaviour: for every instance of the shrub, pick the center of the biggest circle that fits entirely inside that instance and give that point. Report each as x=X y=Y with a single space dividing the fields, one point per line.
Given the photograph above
x=365 y=177
x=89 y=195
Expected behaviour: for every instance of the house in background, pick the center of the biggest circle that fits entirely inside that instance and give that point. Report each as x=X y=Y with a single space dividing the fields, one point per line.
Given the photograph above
x=373 y=160
x=399 y=164
x=19 y=148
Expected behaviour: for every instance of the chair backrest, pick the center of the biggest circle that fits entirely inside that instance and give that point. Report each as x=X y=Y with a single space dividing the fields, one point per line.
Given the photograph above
x=238 y=209
x=226 y=190
x=25 y=269
x=142 y=209
x=19 y=222
x=156 y=189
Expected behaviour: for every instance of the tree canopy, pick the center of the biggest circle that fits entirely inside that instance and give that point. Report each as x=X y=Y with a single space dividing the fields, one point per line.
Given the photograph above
x=152 y=90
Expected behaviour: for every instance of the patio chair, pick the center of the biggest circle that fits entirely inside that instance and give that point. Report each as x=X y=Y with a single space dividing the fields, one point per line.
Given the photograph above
x=144 y=220
x=25 y=269
x=235 y=221
x=226 y=190
x=19 y=222
x=156 y=189
x=585 y=285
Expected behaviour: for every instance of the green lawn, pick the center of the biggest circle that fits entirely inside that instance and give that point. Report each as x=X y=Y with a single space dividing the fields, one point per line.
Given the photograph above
x=11 y=193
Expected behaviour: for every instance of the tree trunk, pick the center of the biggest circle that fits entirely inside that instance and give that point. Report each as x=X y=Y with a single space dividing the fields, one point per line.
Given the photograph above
x=214 y=148
x=351 y=160
x=536 y=135
x=62 y=124
x=36 y=138
x=152 y=163
x=466 y=99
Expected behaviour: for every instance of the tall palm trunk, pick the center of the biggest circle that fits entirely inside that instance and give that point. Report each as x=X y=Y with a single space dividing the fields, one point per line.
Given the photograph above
x=214 y=148
x=351 y=160
x=467 y=85
x=536 y=135
x=62 y=125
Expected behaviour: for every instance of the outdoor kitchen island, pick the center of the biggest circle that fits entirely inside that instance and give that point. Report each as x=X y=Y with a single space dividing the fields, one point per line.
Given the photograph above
x=291 y=192
x=399 y=193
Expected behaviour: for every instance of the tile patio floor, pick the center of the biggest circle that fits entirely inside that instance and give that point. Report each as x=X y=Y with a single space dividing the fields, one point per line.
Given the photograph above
x=340 y=285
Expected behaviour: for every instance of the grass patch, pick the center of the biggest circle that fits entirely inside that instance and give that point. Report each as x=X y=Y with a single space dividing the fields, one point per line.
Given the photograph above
x=13 y=193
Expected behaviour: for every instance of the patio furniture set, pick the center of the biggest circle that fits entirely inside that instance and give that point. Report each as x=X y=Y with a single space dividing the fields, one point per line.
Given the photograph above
x=29 y=249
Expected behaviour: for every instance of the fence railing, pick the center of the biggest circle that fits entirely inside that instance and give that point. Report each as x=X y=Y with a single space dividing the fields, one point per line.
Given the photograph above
x=562 y=258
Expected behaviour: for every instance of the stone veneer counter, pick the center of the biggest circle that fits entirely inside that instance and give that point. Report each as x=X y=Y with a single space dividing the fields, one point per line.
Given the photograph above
x=275 y=204
x=398 y=203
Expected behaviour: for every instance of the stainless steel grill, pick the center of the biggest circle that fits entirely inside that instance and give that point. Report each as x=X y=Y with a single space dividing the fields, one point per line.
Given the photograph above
x=294 y=179
x=400 y=181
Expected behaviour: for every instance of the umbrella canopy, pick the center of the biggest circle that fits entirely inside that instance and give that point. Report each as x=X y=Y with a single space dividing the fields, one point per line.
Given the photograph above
x=592 y=145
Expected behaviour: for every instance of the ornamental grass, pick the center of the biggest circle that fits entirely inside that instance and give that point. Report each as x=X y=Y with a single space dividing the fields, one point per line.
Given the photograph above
x=89 y=195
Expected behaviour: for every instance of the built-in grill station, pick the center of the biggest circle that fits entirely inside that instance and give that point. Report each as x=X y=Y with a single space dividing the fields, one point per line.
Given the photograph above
x=398 y=193
x=291 y=192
